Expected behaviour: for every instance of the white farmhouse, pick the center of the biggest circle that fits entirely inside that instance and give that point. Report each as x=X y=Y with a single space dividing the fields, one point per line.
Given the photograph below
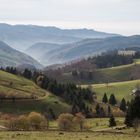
x=126 y=52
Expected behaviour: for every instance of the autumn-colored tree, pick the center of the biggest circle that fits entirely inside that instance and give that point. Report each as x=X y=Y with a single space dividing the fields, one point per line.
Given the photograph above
x=21 y=123
x=65 y=121
x=36 y=120
x=33 y=121
x=79 y=119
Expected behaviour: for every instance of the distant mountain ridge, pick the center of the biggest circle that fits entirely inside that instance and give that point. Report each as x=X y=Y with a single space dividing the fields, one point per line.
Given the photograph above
x=12 y=57
x=23 y=36
x=88 y=47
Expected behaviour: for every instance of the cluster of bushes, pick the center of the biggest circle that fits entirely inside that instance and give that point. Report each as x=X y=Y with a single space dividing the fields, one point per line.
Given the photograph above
x=36 y=121
x=33 y=121
x=68 y=121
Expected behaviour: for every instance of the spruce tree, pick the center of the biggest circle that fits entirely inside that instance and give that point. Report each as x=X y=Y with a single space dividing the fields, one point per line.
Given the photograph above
x=112 y=121
x=123 y=105
x=105 y=99
x=112 y=100
x=133 y=111
x=109 y=111
x=98 y=110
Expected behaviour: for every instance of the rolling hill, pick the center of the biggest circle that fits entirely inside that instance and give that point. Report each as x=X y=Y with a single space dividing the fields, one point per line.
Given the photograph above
x=12 y=57
x=24 y=91
x=119 y=73
x=19 y=87
x=88 y=47
x=99 y=75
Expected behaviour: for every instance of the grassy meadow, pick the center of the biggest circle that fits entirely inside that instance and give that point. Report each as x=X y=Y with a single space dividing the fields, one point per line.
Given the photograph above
x=17 y=86
x=56 y=135
x=119 y=89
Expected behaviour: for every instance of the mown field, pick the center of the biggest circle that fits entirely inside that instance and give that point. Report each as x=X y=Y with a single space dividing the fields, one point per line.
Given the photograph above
x=119 y=89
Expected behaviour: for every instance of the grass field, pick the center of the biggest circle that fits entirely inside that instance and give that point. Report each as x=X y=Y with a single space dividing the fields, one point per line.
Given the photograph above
x=120 y=89
x=17 y=86
x=41 y=105
x=56 y=135
x=113 y=74
x=119 y=73
x=94 y=124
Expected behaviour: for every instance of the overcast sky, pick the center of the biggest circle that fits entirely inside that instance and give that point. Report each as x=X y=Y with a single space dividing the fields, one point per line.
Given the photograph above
x=119 y=16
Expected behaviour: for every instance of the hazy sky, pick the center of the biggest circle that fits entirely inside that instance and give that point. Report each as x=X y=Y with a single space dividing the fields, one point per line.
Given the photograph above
x=120 y=16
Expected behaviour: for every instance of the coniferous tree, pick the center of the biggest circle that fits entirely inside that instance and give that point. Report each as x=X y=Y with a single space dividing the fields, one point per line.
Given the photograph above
x=128 y=103
x=109 y=111
x=133 y=111
x=112 y=100
x=112 y=121
x=102 y=112
x=97 y=110
x=105 y=99
x=123 y=105
x=27 y=74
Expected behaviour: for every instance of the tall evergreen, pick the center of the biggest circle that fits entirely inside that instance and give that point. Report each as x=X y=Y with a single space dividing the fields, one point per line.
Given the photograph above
x=105 y=99
x=27 y=74
x=112 y=121
x=123 y=105
x=98 y=110
x=133 y=111
x=112 y=100
x=109 y=111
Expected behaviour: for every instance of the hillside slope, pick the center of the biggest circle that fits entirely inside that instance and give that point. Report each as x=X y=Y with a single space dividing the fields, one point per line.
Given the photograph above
x=12 y=57
x=17 y=86
x=37 y=50
x=119 y=89
x=119 y=73
x=27 y=96
x=90 y=47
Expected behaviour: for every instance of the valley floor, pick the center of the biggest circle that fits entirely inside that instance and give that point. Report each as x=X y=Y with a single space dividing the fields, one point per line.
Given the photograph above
x=96 y=132
x=56 y=135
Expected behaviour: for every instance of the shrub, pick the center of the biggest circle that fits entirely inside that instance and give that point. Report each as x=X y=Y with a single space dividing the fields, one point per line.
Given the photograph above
x=79 y=119
x=33 y=121
x=37 y=121
x=65 y=121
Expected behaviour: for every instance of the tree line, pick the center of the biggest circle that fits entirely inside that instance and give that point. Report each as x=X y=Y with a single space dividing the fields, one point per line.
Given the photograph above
x=111 y=60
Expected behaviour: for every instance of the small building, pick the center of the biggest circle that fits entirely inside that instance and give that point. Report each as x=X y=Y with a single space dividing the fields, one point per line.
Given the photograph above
x=127 y=52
